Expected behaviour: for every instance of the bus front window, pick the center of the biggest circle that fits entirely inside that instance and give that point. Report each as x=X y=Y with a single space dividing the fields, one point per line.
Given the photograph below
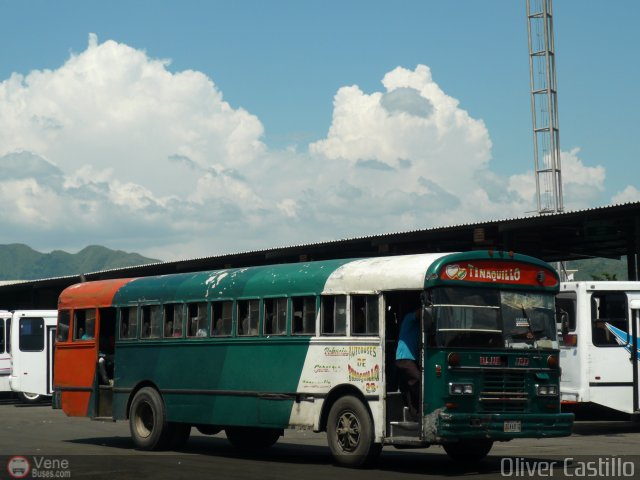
x=490 y=318
x=529 y=320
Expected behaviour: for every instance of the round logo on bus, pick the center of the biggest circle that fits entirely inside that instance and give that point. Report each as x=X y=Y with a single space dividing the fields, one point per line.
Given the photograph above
x=18 y=467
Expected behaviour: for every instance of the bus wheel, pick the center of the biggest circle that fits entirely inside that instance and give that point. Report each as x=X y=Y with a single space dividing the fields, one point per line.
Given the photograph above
x=252 y=438
x=147 y=420
x=178 y=435
x=30 y=398
x=350 y=433
x=468 y=450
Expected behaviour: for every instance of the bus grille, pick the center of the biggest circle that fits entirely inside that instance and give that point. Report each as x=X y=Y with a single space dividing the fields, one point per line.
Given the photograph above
x=503 y=392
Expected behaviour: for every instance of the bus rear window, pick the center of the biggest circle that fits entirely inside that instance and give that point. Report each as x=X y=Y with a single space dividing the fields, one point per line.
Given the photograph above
x=31 y=334
x=64 y=322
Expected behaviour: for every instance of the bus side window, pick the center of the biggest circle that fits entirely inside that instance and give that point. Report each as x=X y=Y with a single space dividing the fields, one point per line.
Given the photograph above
x=151 y=321
x=364 y=314
x=222 y=318
x=173 y=314
x=275 y=316
x=2 y=335
x=178 y=319
x=84 y=324
x=128 y=322
x=303 y=315
x=248 y=317
x=334 y=315
x=608 y=309
x=197 y=320
x=31 y=334
x=64 y=321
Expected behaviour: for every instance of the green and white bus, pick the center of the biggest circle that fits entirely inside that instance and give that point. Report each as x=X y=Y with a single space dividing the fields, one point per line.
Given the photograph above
x=253 y=351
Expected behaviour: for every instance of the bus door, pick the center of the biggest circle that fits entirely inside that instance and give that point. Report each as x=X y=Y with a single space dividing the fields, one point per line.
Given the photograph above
x=569 y=332
x=610 y=374
x=105 y=361
x=75 y=364
x=30 y=355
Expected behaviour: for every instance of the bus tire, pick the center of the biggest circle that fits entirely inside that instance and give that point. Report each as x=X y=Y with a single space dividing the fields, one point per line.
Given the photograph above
x=468 y=451
x=148 y=420
x=29 y=398
x=251 y=438
x=350 y=433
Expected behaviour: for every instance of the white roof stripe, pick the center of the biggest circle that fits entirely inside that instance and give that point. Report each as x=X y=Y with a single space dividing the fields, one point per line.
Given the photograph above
x=372 y=275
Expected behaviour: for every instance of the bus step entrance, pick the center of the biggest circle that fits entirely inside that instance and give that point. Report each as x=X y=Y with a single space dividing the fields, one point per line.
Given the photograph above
x=407 y=430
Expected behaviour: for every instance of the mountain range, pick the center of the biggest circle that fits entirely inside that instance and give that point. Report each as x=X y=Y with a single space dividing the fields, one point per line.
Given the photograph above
x=21 y=262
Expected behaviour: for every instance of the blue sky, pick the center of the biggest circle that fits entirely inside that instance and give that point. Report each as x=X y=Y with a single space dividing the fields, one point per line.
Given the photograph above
x=277 y=68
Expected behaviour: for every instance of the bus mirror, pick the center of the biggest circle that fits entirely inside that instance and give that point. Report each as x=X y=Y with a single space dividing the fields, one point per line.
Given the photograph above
x=564 y=322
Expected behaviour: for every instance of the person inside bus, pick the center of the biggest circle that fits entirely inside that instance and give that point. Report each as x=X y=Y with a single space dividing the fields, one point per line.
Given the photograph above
x=168 y=329
x=177 y=328
x=90 y=329
x=105 y=359
x=407 y=361
x=219 y=328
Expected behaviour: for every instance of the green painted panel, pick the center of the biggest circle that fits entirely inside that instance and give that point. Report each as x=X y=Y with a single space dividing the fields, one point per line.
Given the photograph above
x=216 y=381
x=289 y=279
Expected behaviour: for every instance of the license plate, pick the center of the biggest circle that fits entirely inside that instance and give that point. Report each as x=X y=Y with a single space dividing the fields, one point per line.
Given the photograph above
x=513 y=426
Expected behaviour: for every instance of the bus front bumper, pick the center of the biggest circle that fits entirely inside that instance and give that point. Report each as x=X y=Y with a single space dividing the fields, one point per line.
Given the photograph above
x=498 y=426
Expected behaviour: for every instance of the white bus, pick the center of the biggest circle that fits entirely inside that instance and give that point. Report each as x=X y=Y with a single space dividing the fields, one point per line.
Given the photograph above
x=32 y=348
x=5 y=350
x=599 y=348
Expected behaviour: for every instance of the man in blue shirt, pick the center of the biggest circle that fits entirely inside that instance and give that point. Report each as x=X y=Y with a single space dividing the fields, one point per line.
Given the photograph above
x=407 y=361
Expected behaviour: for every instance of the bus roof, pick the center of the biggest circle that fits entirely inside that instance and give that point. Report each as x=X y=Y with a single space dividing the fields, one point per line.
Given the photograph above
x=368 y=275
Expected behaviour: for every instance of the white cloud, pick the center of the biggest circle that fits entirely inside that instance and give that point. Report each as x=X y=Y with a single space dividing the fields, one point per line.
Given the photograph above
x=112 y=148
x=112 y=106
x=629 y=194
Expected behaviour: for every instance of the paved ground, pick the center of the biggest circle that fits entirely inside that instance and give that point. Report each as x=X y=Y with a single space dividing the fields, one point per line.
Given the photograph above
x=47 y=439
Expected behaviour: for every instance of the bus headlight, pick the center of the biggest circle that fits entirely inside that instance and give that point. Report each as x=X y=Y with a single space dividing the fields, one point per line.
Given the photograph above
x=460 y=389
x=547 y=390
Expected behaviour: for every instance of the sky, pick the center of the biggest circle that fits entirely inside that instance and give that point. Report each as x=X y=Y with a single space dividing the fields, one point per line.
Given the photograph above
x=198 y=128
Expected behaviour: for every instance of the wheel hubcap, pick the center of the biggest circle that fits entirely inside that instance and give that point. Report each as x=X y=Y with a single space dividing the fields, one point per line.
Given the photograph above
x=348 y=431
x=144 y=420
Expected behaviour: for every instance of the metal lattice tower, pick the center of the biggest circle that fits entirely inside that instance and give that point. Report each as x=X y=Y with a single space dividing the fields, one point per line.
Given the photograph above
x=544 y=106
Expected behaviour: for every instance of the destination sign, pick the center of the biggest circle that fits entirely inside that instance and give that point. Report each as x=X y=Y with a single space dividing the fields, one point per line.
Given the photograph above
x=496 y=271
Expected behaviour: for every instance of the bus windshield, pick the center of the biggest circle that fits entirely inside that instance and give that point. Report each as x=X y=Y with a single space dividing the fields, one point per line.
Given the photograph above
x=493 y=318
